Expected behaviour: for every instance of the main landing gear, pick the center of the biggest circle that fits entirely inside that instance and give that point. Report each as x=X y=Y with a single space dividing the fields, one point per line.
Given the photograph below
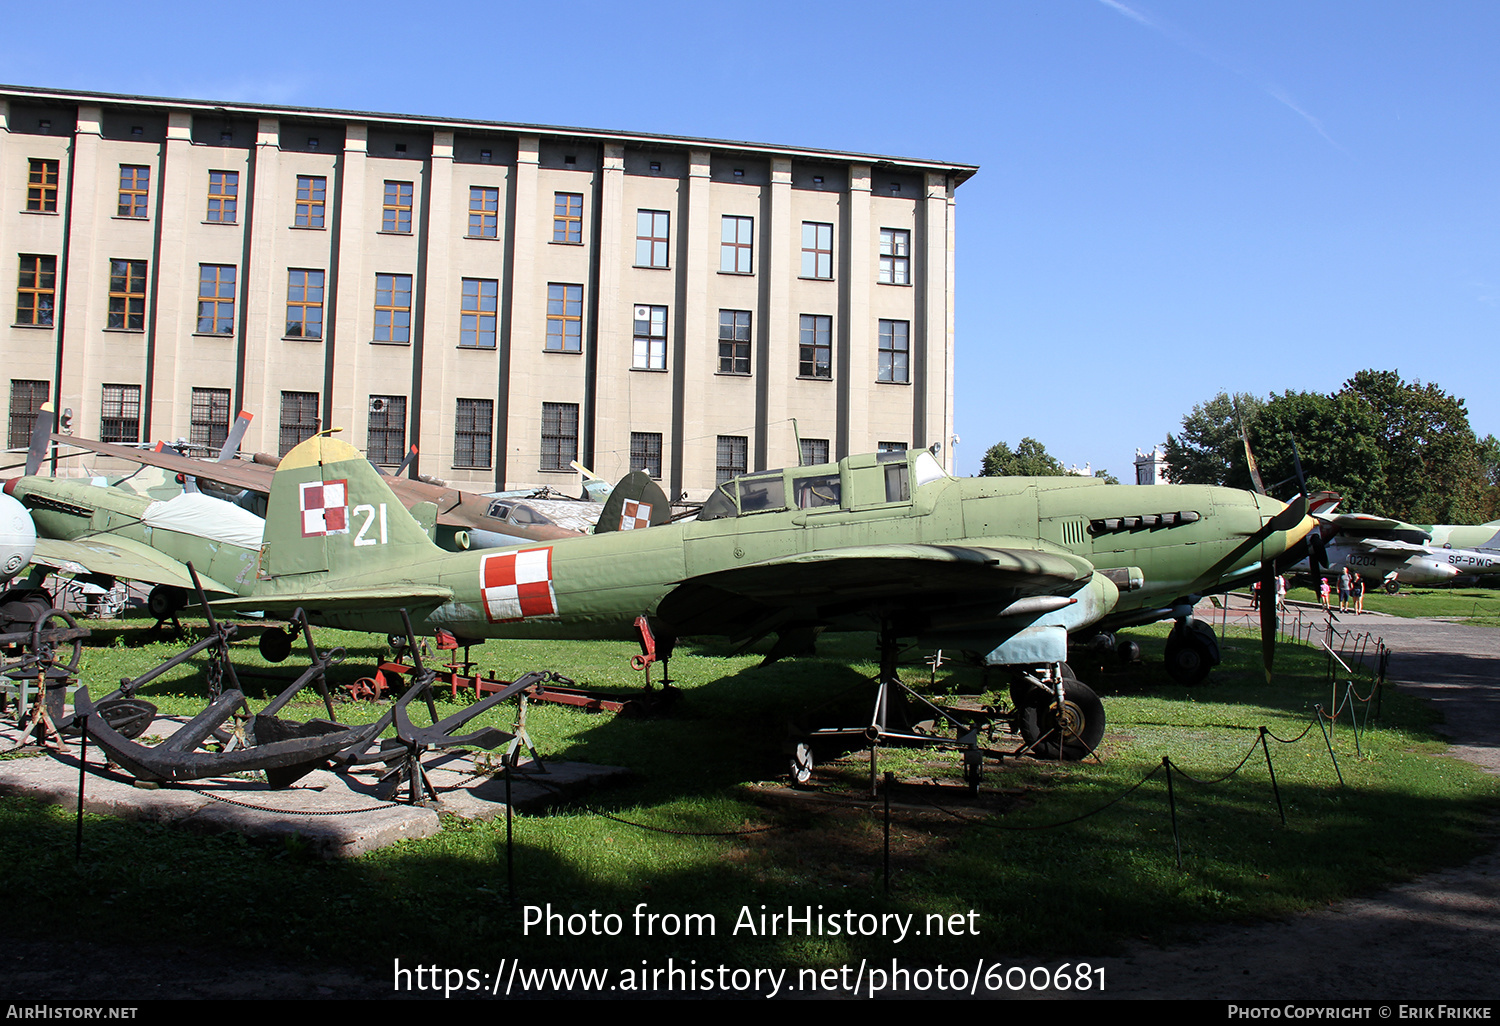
x=1192 y=651
x=1060 y=718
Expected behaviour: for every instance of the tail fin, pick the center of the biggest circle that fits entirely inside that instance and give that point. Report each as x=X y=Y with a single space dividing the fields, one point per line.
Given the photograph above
x=330 y=511
x=41 y=438
x=636 y=502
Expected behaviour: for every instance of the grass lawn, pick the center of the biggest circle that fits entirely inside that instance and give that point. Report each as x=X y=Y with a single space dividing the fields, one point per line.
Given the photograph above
x=708 y=827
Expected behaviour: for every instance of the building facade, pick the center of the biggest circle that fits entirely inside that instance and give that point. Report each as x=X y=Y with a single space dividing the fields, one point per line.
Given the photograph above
x=506 y=298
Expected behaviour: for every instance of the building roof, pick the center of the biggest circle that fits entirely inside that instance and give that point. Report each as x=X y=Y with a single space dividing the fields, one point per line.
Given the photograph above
x=959 y=172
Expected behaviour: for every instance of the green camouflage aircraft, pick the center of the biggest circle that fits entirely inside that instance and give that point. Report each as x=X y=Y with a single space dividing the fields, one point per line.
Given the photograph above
x=889 y=542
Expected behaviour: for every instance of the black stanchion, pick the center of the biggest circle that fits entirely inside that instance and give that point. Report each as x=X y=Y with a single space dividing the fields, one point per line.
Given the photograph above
x=1172 y=804
x=1329 y=742
x=1272 y=770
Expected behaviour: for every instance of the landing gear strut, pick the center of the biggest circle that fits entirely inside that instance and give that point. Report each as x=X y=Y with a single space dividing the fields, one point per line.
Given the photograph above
x=1058 y=719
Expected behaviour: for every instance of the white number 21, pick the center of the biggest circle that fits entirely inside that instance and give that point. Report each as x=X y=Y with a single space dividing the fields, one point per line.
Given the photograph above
x=369 y=512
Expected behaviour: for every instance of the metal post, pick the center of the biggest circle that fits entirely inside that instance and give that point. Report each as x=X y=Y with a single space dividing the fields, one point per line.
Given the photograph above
x=1272 y=770
x=1318 y=711
x=1172 y=804
x=83 y=754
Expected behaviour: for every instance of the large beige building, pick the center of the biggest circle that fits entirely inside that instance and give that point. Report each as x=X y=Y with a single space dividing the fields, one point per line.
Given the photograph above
x=508 y=298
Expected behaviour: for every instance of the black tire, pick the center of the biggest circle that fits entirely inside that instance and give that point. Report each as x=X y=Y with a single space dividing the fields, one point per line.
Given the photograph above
x=1391 y=587
x=275 y=644
x=1074 y=735
x=165 y=600
x=1188 y=656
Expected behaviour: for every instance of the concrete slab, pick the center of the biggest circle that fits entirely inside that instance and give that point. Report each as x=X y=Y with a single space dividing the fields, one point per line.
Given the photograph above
x=338 y=815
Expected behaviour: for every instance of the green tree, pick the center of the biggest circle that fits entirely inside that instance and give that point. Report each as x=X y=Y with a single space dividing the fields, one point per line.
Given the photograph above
x=1209 y=449
x=1489 y=499
x=1434 y=465
x=1029 y=459
x=1336 y=438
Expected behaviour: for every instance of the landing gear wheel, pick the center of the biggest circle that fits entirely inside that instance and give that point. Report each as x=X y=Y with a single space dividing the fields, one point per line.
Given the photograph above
x=165 y=600
x=802 y=763
x=48 y=653
x=1391 y=587
x=1190 y=654
x=275 y=644
x=1073 y=733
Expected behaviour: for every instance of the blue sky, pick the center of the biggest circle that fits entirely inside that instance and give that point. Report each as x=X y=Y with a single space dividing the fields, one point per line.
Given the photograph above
x=1175 y=196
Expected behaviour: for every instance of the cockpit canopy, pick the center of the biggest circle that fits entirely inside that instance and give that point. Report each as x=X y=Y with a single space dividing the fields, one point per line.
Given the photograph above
x=870 y=479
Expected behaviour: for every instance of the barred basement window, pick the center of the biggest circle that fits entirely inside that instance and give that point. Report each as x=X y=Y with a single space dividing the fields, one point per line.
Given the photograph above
x=814 y=451
x=386 y=434
x=299 y=419
x=120 y=414
x=26 y=398
x=731 y=459
x=645 y=453
x=559 y=435
x=472 y=433
x=208 y=425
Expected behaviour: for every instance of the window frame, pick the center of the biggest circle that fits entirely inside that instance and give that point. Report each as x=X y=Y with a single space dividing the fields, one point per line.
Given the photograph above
x=565 y=221
x=387 y=287
x=135 y=192
x=559 y=301
x=813 y=452
x=734 y=462
x=42 y=176
x=738 y=248
x=895 y=257
x=484 y=314
x=658 y=247
x=810 y=347
x=227 y=198
x=484 y=218
x=205 y=427
x=559 y=445
x=645 y=453
x=124 y=272
x=649 y=351
x=729 y=336
x=888 y=351
x=293 y=433
x=311 y=204
x=815 y=256
x=395 y=211
x=217 y=302
x=389 y=425
x=39 y=316
x=304 y=305
x=25 y=403
x=122 y=400
x=467 y=433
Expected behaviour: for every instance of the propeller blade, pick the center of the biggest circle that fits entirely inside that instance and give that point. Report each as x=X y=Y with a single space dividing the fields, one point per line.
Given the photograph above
x=410 y=455
x=41 y=438
x=236 y=435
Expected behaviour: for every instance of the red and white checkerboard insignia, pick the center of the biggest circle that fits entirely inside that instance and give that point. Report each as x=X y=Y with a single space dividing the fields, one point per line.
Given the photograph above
x=636 y=514
x=517 y=585
x=325 y=508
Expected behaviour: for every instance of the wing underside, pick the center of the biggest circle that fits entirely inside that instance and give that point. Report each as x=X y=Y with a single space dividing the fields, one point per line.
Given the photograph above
x=119 y=557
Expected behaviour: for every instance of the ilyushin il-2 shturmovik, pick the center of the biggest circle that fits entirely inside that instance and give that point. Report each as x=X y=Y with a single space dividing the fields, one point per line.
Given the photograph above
x=1004 y=567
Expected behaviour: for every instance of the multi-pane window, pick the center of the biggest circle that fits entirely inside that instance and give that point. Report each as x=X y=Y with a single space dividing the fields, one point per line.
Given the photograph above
x=215 y=299
x=814 y=451
x=736 y=243
x=484 y=212
x=135 y=184
x=208 y=423
x=41 y=186
x=387 y=430
x=393 y=308
x=120 y=414
x=645 y=453
x=477 y=319
x=471 y=433
x=817 y=250
x=559 y=435
x=395 y=216
x=304 y=303
x=734 y=341
x=36 y=289
x=223 y=197
x=895 y=349
x=651 y=238
x=895 y=256
x=26 y=398
x=567 y=217
x=815 y=355
x=127 y=294
x=564 y=318
x=299 y=419
x=312 y=194
x=650 y=338
x=731 y=459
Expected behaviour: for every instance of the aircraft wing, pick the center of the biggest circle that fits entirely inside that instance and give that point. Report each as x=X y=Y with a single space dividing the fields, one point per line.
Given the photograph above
x=233 y=473
x=1386 y=546
x=419 y=599
x=119 y=557
x=872 y=582
x=1356 y=522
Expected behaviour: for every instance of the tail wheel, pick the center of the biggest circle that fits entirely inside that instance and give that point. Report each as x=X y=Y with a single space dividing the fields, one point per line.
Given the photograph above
x=275 y=644
x=165 y=600
x=1073 y=732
